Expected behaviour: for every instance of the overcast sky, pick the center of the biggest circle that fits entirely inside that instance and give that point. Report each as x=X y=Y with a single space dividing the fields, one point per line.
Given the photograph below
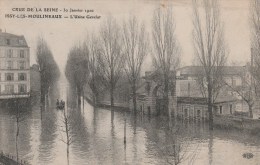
x=61 y=34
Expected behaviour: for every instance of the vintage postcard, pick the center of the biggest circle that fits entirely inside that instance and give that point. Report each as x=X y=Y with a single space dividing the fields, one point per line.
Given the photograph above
x=111 y=82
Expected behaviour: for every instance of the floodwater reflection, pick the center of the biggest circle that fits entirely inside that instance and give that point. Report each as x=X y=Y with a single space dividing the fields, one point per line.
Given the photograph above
x=97 y=140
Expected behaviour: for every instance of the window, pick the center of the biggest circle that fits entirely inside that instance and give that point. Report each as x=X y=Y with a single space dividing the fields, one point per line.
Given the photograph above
x=22 y=88
x=9 y=65
x=149 y=110
x=9 y=53
x=220 y=109
x=9 y=89
x=21 y=76
x=185 y=112
x=148 y=87
x=234 y=82
x=230 y=108
x=198 y=114
x=20 y=41
x=8 y=41
x=22 y=54
x=22 y=65
x=9 y=76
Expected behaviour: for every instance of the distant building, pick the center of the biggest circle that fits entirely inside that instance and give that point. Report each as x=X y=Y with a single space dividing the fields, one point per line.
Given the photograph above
x=228 y=102
x=14 y=66
x=150 y=95
x=185 y=96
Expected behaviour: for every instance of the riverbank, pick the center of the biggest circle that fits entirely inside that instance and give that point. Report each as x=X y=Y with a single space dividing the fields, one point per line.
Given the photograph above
x=248 y=125
x=251 y=126
x=106 y=105
x=6 y=159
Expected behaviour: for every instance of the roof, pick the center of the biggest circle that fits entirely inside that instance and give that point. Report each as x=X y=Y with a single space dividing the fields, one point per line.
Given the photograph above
x=203 y=101
x=192 y=100
x=194 y=70
x=7 y=39
x=156 y=75
x=225 y=98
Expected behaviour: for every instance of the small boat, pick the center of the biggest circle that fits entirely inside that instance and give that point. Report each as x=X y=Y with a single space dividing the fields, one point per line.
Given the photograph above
x=60 y=105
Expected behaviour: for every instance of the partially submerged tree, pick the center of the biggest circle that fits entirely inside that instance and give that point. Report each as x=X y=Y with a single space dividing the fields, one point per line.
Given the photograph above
x=135 y=48
x=69 y=121
x=76 y=69
x=209 y=46
x=110 y=58
x=49 y=71
x=255 y=31
x=248 y=90
x=19 y=119
x=166 y=49
x=95 y=80
x=255 y=51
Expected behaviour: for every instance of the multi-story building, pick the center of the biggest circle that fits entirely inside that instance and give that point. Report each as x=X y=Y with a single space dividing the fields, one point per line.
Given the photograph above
x=14 y=66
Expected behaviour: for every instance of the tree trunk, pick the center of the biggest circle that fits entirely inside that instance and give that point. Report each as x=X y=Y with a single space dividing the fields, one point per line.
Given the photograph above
x=67 y=134
x=112 y=104
x=16 y=141
x=250 y=106
x=125 y=129
x=112 y=97
x=95 y=98
x=43 y=94
x=210 y=107
x=83 y=98
x=17 y=130
x=68 y=154
x=166 y=95
x=79 y=96
x=47 y=98
x=134 y=98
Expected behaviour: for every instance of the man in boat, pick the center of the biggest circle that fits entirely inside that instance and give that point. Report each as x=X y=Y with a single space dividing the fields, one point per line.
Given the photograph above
x=57 y=103
x=62 y=104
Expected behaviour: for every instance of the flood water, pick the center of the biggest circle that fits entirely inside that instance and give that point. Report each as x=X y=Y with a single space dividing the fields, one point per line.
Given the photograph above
x=98 y=140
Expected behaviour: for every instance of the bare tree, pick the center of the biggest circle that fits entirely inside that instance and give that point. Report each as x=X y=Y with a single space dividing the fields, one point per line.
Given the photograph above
x=110 y=58
x=166 y=50
x=255 y=50
x=76 y=69
x=209 y=46
x=248 y=91
x=135 y=48
x=218 y=82
x=96 y=79
x=49 y=71
x=69 y=121
x=255 y=29
x=19 y=117
x=67 y=128
x=177 y=151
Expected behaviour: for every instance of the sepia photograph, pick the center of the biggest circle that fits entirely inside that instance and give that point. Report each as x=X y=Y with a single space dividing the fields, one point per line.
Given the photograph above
x=130 y=82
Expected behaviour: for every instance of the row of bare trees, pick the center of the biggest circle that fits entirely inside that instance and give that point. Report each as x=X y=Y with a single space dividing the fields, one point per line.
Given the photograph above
x=254 y=82
x=107 y=56
x=49 y=70
x=249 y=91
x=211 y=53
x=209 y=48
x=102 y=59
x=123 y=48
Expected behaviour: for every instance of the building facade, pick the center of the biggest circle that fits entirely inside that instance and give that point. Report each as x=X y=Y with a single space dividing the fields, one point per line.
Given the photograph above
x=228 y=101
x=14 y=66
